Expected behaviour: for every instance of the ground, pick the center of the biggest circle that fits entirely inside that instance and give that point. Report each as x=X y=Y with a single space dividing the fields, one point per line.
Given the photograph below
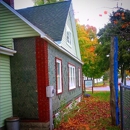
x=92 y=113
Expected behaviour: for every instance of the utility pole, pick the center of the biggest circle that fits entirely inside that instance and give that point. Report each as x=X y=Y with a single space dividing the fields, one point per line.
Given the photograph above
x=114 y=81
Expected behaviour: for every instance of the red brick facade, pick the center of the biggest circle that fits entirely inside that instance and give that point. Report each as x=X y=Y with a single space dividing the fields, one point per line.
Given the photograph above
x=42 y=78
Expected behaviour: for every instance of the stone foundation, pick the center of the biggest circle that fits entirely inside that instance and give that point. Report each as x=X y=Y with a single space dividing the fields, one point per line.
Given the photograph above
x=34 y=126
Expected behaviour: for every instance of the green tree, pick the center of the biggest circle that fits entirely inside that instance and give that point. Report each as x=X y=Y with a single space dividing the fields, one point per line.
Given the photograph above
x=119 y=26
x=88 y=42
x=42 y=2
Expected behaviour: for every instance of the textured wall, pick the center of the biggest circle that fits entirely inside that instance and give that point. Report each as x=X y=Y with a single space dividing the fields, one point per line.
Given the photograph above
x=24 y=80
x=67 y=95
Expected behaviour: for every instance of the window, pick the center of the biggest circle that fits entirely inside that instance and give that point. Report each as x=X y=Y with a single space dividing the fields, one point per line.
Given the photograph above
x=69 y=37
x=79 y=77
x=58 y=76
x=72 y=79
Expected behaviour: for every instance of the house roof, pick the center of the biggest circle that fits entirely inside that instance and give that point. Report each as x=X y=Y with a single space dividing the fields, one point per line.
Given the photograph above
x=41 y=32
x=50 y=18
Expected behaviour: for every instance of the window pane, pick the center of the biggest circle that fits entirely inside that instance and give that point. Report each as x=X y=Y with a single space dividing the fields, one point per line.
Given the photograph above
x=69 y=37
x=79 y=77
x=71 y=77
x=58 y=68
x=59 y=76
x=58 y=83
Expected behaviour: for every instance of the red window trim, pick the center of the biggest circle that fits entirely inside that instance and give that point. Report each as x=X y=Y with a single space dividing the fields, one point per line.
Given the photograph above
x=68 y=76
x=56 y=58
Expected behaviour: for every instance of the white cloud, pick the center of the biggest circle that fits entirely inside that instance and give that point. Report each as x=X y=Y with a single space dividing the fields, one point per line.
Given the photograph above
x=18 y=4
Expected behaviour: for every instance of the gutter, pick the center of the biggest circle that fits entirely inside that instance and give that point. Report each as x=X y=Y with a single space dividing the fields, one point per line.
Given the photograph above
x=7 y=51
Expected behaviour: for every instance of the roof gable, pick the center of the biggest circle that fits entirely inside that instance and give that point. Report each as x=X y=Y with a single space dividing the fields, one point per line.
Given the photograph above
x=49 y=18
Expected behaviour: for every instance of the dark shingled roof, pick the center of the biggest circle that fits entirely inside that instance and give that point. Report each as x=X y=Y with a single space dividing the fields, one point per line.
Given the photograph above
x=50 y=18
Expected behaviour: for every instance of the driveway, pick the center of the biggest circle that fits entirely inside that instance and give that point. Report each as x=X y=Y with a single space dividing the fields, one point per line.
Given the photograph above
x=107 y=88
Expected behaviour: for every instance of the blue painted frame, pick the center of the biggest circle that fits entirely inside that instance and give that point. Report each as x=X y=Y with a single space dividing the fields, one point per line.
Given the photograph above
x=116 y=77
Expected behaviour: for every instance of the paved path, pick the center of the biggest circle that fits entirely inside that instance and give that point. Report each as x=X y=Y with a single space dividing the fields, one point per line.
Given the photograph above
x=107 y=88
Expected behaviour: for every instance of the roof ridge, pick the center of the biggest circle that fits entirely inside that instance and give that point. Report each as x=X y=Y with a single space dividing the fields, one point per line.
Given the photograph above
x=48 y=4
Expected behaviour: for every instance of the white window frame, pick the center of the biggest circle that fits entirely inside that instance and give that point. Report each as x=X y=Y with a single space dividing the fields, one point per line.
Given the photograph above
x=72 y=77
x=59 y=88
x=69 y=37
x=79 y=71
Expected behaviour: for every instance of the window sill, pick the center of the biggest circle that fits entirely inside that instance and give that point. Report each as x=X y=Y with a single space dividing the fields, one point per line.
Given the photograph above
x=72 y=88
x=57 y=93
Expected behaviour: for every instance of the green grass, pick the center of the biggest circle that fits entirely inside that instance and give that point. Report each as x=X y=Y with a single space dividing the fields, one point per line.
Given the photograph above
x=103 y=96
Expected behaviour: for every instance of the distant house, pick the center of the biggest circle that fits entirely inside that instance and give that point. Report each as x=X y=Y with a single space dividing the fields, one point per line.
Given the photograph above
x=38 y=48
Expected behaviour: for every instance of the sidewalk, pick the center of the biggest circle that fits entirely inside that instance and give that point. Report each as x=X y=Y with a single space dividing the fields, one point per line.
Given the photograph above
x=107 y=88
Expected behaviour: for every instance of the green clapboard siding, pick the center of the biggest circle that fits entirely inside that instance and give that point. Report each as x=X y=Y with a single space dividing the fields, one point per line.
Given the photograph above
x=74 y=49
x=5 y=89
x=12 y=27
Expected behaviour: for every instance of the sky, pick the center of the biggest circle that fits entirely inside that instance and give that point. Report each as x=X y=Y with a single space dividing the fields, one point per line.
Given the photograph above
x=89 y=12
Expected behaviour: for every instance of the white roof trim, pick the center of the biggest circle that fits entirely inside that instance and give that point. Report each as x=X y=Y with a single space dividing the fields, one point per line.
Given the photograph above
x=42 y=34
x=7 y=51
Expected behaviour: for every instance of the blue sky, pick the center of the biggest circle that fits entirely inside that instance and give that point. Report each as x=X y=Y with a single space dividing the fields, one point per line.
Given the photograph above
x=87 y=11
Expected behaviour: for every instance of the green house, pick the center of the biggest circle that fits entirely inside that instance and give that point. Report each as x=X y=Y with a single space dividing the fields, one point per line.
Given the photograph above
x=37 y=49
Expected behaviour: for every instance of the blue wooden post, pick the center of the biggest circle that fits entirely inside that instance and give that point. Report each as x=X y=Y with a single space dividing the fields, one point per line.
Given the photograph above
x=116 y=77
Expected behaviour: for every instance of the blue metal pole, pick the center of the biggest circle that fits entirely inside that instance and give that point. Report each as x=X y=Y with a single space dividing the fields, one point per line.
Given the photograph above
x=116 y=77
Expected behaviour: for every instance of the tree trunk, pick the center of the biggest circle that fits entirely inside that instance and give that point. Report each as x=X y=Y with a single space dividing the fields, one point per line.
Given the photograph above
x=112 y=89
x=92 y=84
x=122 y=73
x=124 y=77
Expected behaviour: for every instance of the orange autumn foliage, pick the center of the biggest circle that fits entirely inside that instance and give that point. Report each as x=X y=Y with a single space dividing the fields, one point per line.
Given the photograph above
x=87 y=41
x=127 y=72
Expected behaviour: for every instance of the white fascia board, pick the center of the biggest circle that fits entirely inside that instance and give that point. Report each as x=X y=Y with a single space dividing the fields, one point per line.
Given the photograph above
x=58 y=42
x=7 y=51
x=22 y=18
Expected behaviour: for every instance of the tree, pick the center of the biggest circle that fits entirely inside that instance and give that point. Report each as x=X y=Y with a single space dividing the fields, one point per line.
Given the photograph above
x=88 y=42
x=42 y=2
x=119 y=26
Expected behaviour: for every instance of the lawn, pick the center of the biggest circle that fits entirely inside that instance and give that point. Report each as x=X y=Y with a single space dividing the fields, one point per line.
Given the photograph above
x=101 y=84
x=92 y=113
